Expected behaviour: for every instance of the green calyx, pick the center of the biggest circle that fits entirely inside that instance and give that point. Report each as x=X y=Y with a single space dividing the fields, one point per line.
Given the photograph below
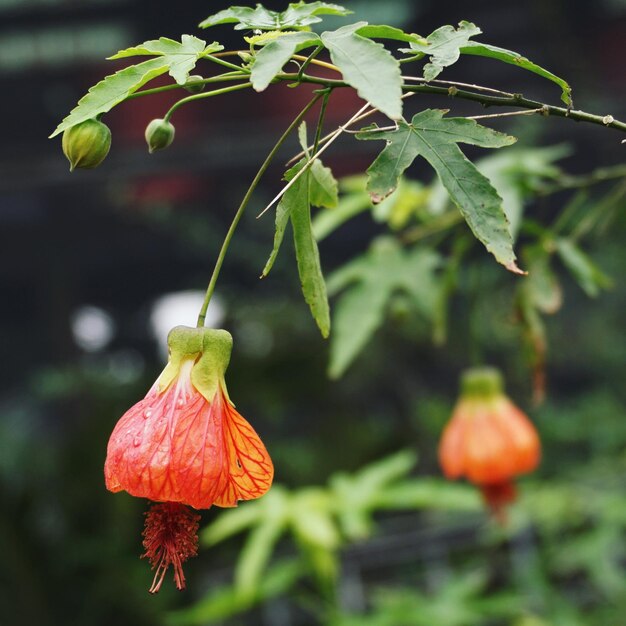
x=481 y=382
x=86 y=144
x=208 y=348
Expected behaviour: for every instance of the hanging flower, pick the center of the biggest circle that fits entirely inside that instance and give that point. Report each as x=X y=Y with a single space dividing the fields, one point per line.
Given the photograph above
x=184 y=445
x=488 y=440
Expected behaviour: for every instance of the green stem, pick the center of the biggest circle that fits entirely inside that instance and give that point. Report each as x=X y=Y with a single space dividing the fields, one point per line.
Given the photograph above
x=214 y=79
x=514 y=100
x=309 y=59
x=518 y=100
x=242 y=206
x=208 y=94
x=320 y=121
x=215 y=58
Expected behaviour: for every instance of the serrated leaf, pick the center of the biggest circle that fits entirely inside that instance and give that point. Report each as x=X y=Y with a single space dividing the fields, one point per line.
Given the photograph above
x=322 y=192
x=443 y=46
x=303 y=139
x=372 y=31
x=508 y=56
x=271 y=58
x=588 y=275
x=296 y=205
x=112 y=90
x=384 y=270
x=171 y=56
x=181 y=57
x=323 y=189
x=280 y=224
x=435 y=138
x=308 y=259
x=290 y=199
x=297 y=16
x=368 y=67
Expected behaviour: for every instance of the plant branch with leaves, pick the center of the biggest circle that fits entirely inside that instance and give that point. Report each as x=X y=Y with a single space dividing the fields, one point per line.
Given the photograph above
x=425 y=256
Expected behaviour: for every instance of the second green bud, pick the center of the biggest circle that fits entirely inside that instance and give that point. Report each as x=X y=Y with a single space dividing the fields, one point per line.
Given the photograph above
x=159 y=134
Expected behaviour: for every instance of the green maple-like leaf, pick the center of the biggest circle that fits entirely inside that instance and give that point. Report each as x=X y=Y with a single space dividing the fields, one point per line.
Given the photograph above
x=436 y=139
x=297 y=16
x=270 y=60
x=323 y=187
x=508 y=56
x=373 y=278
x=382 y=31
x=315 y=186
x=177 y=58
x=368 y=67
x=181 y=57
x=309 y=266
x=443 y=46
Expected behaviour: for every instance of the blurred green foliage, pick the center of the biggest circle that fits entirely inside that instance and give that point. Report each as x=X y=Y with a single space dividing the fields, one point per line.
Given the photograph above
x=560 y=559
x=354 y=532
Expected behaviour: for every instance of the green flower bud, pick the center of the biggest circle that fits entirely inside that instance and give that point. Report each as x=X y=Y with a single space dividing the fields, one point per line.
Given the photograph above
x=86 y=144
x=159 y=134
x=246 y=57
x=195 y=84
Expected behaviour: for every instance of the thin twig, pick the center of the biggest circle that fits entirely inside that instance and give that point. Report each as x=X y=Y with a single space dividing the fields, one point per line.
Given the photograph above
x=456 y=83
x=310 y=162
x=471 y=117
x=324 y=139
x=509 y=114
x=516 y=100
x=244 y=204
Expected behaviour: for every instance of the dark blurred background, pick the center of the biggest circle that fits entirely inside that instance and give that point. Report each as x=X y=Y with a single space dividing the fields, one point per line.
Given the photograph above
x=95 y=266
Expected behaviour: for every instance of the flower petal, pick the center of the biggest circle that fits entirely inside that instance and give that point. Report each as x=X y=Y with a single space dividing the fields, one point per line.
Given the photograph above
x=249 y=469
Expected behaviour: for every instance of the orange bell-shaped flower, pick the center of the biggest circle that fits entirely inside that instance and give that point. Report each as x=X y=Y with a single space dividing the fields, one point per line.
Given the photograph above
x=185 y=444
x=488 y=440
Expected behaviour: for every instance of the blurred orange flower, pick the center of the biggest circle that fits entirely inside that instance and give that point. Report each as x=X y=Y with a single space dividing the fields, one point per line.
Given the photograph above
x=488 y=440
x=185 y=444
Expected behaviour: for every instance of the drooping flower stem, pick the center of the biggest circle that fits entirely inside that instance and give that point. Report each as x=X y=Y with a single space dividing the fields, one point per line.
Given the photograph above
x=206 y=94
x=244 y=204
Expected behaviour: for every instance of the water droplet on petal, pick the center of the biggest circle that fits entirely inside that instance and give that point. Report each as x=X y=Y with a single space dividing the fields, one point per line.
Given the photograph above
x=147 y=413
x=137 y=441
x=180 y=402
